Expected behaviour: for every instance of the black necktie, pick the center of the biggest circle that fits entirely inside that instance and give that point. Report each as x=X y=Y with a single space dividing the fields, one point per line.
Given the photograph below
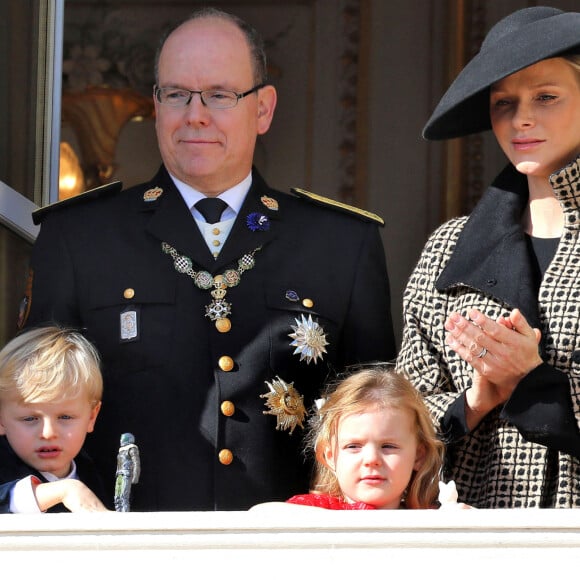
x=211 y=208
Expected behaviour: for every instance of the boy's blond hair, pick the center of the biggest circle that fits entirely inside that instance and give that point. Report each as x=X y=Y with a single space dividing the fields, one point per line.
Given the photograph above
x=371 y=388
x=48 y=365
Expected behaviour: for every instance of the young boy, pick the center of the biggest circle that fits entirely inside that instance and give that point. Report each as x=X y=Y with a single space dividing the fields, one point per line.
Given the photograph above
x=50 y=396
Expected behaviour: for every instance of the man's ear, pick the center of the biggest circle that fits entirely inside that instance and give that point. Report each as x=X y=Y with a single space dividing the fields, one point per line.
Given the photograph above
x=267 y=99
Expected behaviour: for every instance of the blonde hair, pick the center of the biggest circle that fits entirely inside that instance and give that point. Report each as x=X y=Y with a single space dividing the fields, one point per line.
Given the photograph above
x=574 y=60
x=50 y=364
x=371 y=388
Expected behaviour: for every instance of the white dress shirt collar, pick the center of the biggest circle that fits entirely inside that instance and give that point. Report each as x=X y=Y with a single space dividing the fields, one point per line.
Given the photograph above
x=234 y=197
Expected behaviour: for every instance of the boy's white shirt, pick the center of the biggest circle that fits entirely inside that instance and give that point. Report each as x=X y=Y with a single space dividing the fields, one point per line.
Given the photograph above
x=22 y=498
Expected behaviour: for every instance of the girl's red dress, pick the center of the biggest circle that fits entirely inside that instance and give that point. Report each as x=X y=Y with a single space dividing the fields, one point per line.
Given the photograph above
x=328 y=502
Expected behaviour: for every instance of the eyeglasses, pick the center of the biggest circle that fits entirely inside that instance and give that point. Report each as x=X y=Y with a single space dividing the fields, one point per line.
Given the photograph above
x=212 y=98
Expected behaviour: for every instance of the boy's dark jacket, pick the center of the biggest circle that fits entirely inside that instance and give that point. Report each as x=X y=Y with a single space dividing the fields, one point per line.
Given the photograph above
x=12 y=469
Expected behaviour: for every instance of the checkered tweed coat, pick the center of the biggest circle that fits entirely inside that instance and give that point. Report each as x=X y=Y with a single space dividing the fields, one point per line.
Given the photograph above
x=524 y=454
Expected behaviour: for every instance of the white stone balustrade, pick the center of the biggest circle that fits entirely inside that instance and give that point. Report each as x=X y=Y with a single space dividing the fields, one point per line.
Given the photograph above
x=280 y=544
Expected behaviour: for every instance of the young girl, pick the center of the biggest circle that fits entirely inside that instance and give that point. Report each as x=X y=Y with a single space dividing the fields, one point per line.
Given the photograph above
x=375 y=446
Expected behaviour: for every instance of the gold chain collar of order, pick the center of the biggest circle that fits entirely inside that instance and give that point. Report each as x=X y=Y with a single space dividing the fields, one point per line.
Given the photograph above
x=218 y=310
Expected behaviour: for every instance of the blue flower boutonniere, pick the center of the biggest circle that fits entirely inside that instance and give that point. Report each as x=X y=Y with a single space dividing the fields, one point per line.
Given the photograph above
x=258 y=222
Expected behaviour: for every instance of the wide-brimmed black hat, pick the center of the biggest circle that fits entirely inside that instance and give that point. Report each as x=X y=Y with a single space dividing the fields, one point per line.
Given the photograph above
x=514 y=43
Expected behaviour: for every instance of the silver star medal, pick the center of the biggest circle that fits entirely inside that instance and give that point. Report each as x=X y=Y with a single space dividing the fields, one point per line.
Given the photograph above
x=286 y=403
x=309 y=339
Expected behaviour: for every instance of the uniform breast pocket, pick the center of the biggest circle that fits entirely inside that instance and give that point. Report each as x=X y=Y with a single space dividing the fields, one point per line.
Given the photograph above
x=302 y=332
x=133 y=326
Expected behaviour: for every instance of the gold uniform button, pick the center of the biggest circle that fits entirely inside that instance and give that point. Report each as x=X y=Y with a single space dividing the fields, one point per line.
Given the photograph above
x=129 y=293
x=216 y=231
x=225 y=456
x=216 y=243
x=223 y=325
x=226 y=363
x=228 y=408
x=307 y=303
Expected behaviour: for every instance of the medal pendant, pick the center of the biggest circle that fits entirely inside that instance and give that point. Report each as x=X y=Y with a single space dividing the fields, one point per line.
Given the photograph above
x=218 y=309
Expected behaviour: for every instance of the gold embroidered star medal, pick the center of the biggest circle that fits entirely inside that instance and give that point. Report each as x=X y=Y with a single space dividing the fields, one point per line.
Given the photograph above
x=286 y=404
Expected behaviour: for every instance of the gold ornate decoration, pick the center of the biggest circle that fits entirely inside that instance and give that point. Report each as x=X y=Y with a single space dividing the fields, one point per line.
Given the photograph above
x=152 y=194
x=269 y=202
x=286 y=404
x=218 y=310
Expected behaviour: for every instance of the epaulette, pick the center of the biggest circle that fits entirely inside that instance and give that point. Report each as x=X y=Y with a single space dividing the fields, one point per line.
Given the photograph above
x=328 y=202
x=107 y=189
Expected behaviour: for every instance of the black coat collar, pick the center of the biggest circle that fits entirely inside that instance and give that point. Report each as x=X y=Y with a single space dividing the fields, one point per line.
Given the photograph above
x=492 y=253
x=242 y=238
x=172 y=222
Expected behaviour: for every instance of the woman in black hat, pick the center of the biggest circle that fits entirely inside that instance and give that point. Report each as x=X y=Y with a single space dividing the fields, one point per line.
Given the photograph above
x=492 y=309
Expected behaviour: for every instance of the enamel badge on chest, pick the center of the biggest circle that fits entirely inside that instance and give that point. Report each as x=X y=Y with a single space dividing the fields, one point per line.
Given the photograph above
x=152 y=194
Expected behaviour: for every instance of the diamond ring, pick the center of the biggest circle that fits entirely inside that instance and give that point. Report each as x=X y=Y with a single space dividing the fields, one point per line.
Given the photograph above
x=482 y=352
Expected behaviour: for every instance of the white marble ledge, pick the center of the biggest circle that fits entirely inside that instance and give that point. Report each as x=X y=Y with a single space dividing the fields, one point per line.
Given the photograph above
x=279 y=544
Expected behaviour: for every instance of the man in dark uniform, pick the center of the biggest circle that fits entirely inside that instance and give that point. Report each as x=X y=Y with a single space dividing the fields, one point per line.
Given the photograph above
x=215 y=337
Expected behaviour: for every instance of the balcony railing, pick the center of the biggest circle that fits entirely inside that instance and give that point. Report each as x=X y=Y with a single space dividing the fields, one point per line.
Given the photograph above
x=279 y=544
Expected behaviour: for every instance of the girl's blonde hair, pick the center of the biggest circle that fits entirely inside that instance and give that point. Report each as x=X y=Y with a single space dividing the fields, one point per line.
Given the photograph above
x=50 y=364
x=376 y=387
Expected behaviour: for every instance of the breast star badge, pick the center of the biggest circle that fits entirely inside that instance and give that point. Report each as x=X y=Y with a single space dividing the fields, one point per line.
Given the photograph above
x=286 y=404
x=309 y=339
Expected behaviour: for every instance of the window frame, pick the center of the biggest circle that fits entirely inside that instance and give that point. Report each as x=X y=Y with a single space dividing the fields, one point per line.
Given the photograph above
x=16 y=208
